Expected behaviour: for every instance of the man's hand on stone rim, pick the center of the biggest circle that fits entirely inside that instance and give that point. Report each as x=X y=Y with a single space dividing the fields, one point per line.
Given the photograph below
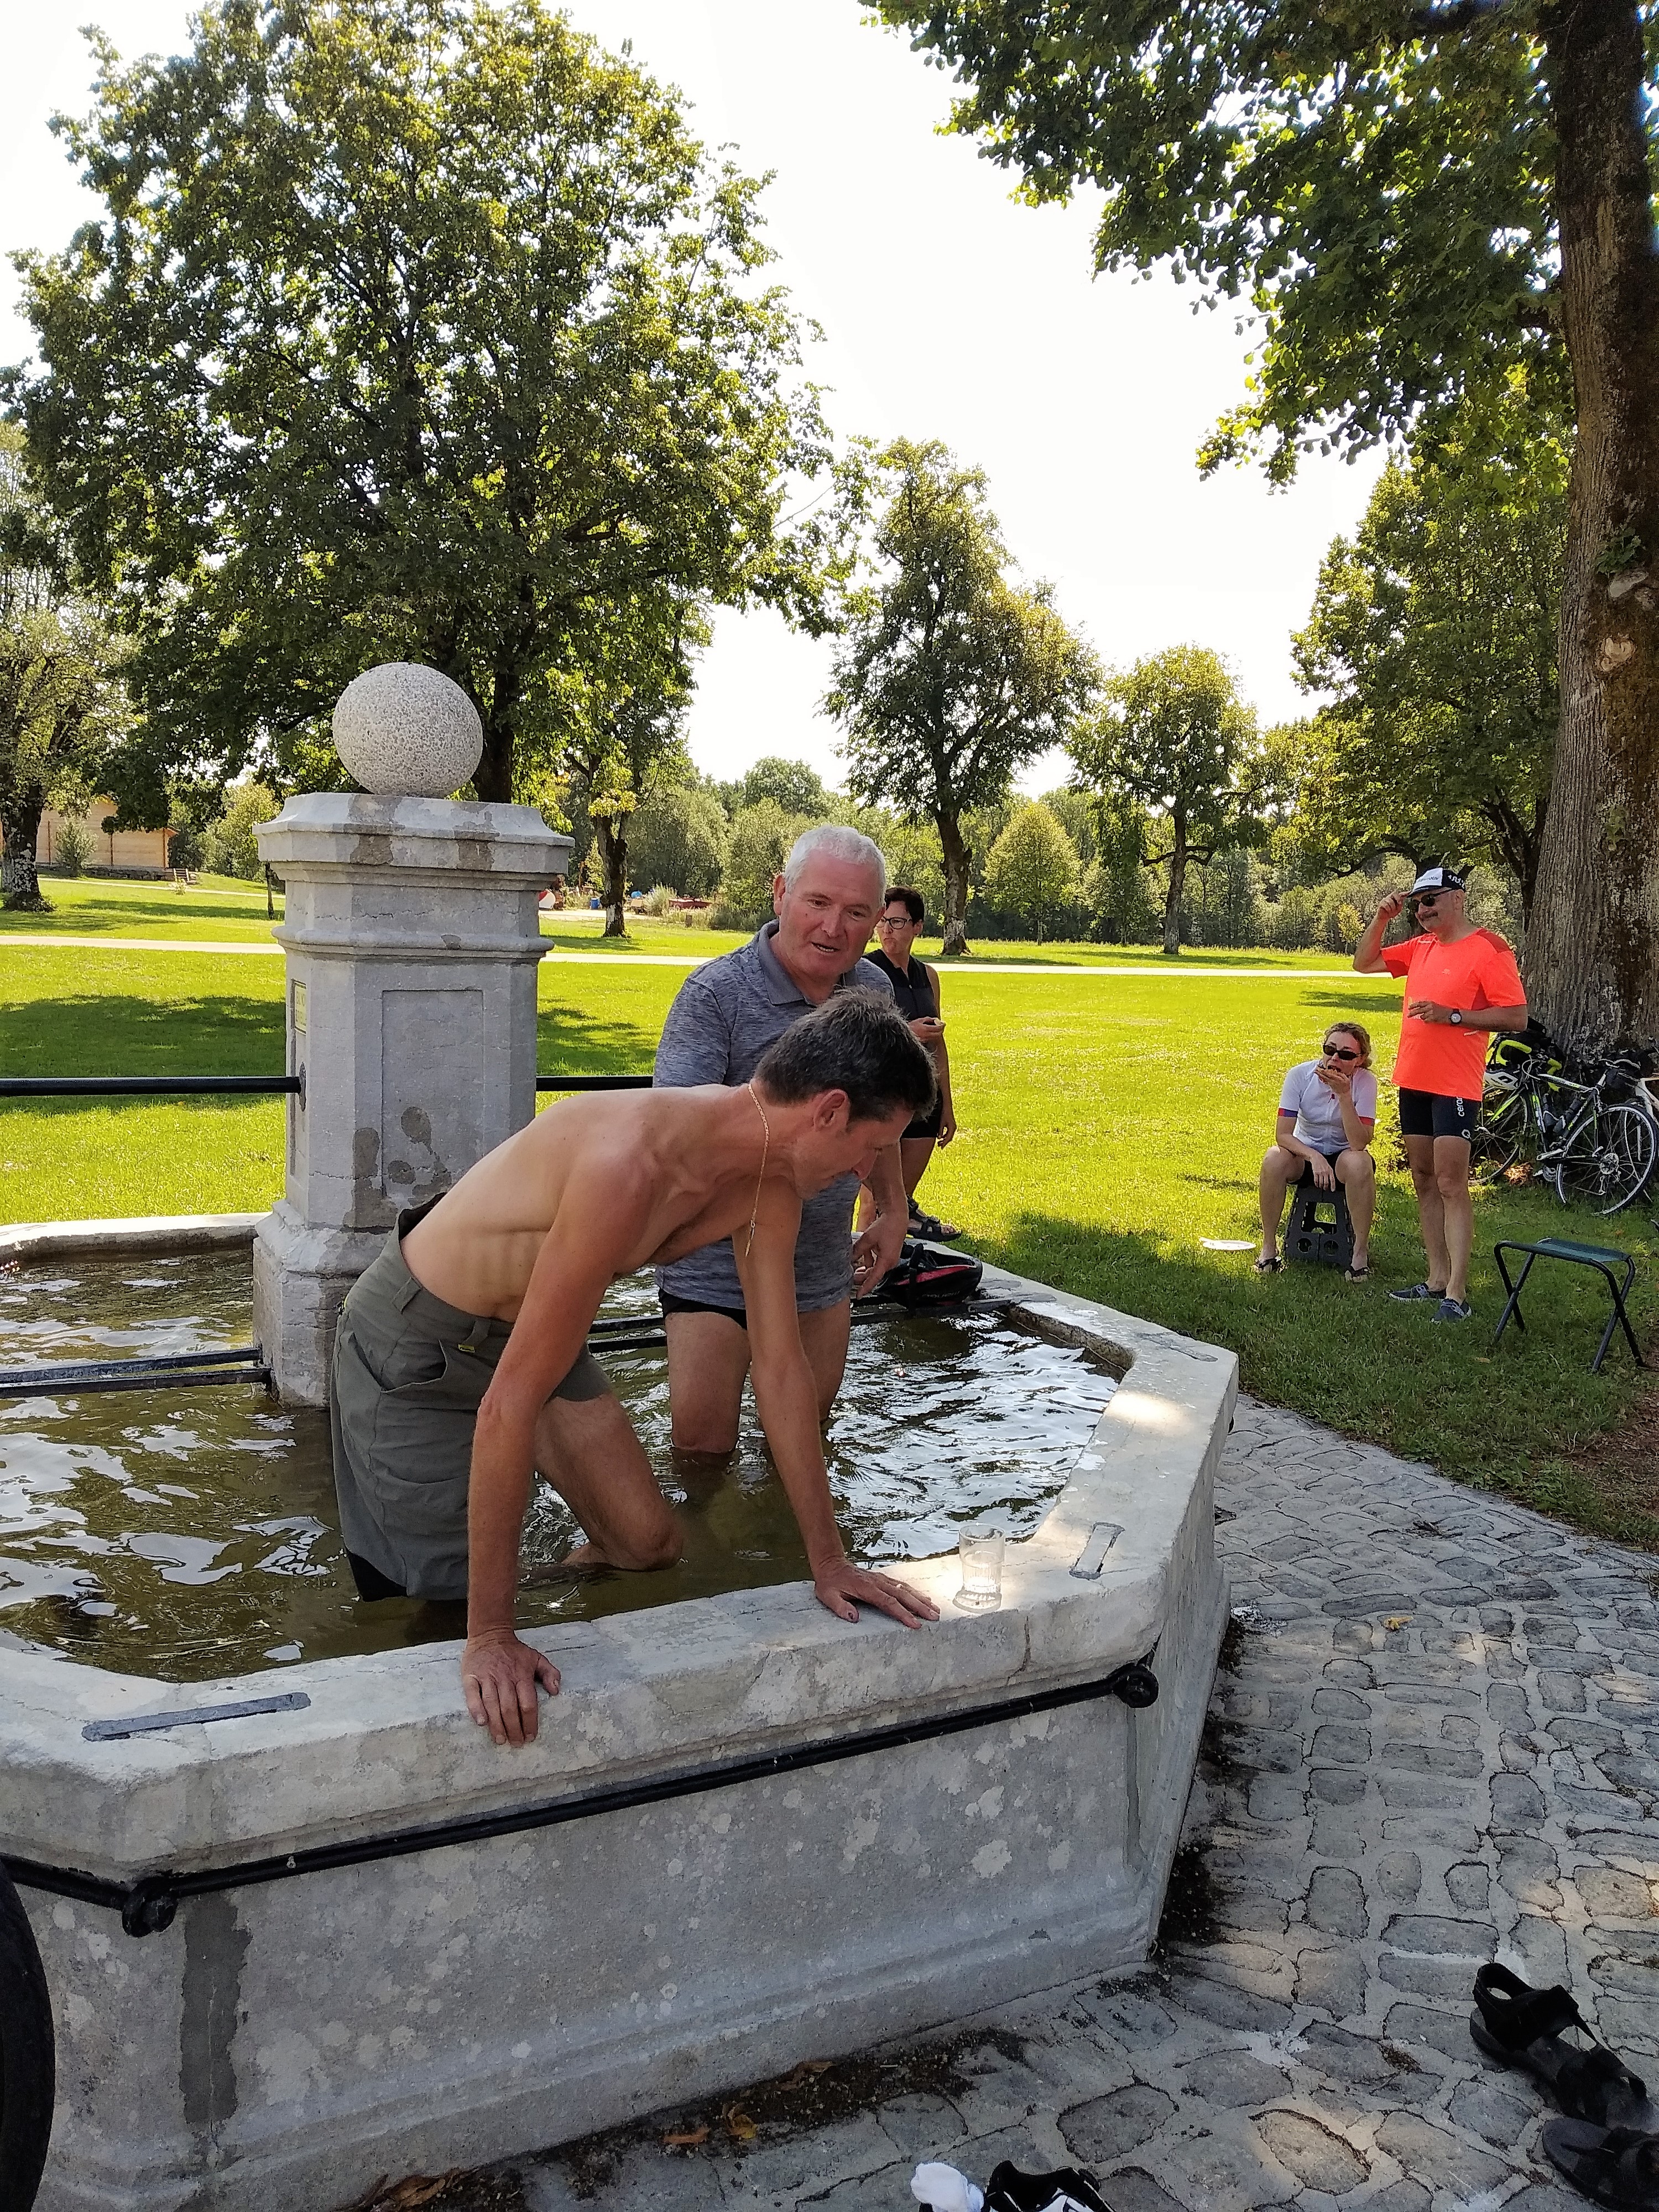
x=499 y=1676
x=843 y=1587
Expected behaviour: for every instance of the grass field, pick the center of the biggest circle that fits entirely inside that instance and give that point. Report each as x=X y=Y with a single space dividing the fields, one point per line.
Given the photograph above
x=1108 y=1125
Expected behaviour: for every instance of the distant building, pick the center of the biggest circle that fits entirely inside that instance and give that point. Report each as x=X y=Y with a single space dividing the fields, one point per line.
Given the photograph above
x=142 y=852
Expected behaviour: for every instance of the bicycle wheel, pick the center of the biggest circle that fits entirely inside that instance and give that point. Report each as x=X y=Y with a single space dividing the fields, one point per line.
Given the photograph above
x=1609 y=1161
x=1500 y=1134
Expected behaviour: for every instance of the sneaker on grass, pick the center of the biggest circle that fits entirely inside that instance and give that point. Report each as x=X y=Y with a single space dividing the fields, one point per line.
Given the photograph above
x=1417 y=1290
x=1453 y=1309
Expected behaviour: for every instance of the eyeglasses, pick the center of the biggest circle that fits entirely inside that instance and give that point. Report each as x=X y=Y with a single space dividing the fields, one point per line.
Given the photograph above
x=1339 y=1052
x=1427 y=899
x=897 y=921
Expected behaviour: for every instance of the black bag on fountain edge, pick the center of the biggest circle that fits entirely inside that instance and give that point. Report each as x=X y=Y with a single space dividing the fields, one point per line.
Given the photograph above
x=926 y=1277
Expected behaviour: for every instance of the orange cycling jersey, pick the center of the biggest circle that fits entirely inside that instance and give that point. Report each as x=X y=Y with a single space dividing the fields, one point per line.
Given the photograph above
x=1478 y=970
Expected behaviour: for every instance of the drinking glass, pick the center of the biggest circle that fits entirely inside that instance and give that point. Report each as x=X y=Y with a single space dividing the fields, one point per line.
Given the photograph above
x=982 y=1570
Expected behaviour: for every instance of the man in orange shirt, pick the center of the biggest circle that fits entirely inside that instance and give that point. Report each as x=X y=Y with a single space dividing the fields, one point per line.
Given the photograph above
x=1462 y=982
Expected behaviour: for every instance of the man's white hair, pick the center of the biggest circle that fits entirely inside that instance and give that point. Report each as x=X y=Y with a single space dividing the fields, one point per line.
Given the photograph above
x=835 y=843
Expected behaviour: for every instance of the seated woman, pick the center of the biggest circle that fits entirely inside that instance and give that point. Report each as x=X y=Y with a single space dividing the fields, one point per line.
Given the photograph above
x=1326 y=1112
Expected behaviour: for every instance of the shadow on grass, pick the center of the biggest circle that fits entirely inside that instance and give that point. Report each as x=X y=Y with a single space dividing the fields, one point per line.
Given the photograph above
x=1516 y=1420
x=117 y=1033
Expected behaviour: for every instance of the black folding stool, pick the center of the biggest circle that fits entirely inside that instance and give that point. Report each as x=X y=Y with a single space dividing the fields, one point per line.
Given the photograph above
x=1603 y=1258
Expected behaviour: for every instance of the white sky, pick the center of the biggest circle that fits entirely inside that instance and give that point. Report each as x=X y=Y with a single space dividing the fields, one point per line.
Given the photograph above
x=948 y=312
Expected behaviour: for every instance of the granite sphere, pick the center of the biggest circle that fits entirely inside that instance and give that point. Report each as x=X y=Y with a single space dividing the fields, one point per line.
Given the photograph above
x=408 y=732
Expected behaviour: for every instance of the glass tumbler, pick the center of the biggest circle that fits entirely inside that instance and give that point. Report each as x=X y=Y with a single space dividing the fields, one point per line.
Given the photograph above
x=982 y=1570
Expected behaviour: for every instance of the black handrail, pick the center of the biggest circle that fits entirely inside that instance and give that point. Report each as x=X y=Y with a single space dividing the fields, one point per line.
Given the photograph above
x=149 y=1903
x=161 y=1086
x=141 y=1086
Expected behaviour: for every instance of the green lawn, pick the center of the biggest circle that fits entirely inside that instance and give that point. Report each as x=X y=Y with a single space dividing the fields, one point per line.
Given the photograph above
x=1108 y=1125
x=215 y=907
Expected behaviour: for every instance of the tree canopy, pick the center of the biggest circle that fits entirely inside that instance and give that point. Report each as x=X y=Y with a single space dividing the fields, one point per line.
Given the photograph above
x=948 y=676
x=1413 y=200
x=679 y=836
x=412 y=330
x=61 y=700
x=797 y=788
x=1032 y=871
x=1175 y=752
x=1435 y=628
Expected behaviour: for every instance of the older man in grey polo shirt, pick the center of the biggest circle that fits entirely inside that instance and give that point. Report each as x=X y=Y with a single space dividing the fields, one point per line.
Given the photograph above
x=727 y=1014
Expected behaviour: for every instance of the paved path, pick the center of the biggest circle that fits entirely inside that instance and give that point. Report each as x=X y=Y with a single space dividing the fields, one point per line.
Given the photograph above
x=1437 y=1742
x=698 y=959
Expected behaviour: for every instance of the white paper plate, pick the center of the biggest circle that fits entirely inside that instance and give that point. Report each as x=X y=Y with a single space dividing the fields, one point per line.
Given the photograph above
x=1228 y=1243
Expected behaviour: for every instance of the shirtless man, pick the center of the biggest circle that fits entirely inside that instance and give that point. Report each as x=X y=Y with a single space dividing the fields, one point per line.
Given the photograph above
x=455 y=1345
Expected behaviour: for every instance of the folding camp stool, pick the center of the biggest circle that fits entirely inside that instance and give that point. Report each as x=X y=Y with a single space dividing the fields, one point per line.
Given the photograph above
x=1320 y=1229
x=1602 y=1257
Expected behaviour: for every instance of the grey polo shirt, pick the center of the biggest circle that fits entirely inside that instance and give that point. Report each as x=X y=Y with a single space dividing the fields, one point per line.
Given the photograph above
x=719 y=1027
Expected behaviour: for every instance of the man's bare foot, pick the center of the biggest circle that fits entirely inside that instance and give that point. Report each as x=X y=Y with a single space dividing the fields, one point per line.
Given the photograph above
x=581 y=1560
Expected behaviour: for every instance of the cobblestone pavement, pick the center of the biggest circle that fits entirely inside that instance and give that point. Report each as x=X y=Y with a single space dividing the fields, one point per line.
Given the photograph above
x=1436 y=1743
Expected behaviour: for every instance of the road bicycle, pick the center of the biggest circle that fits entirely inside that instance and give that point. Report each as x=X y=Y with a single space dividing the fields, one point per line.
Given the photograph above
x=1595 y=1143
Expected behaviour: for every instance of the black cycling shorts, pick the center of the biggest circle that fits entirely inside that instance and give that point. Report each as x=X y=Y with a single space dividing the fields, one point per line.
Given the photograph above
x=1428 y=1114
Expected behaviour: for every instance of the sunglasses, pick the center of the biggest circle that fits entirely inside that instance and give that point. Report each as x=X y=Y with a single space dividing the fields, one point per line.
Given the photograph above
x=1427 y=898
x=1339 y=1052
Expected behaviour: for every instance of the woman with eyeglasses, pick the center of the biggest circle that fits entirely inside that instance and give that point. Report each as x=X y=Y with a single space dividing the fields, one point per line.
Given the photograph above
x=1326 y=1113
x=915 y=992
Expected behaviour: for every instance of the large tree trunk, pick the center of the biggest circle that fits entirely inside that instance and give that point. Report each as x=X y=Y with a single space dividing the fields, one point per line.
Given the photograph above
x=20 y=884
x=955 y=885
x=609 y=832
x=492 y=779
x=1592 y=947
x=1173 y=896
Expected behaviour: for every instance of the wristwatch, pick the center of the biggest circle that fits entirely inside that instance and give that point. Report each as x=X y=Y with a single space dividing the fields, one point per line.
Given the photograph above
x=1455 y=1018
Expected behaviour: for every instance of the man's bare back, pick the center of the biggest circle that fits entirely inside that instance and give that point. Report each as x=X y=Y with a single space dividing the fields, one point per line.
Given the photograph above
x=478 y=1250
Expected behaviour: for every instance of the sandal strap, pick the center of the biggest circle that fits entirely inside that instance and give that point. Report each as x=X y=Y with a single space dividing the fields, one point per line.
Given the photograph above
x=1516 y=2014
x=1586 y=2079
x=1631 y=2165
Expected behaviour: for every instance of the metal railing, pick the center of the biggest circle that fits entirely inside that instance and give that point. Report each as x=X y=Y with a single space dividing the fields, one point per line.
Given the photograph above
x=161 y=1086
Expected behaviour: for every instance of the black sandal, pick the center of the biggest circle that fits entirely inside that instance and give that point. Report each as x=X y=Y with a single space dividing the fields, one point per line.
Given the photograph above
x=1617 y=2166
x=1519 y=2026
x=1273 y=1267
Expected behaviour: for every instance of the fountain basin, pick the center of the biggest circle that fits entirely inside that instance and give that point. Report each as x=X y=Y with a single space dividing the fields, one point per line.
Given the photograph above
x=284 y=2044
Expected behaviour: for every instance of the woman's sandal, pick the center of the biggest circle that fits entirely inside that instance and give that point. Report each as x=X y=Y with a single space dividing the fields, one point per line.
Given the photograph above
x=1273 y=1267
x=1520 y=2026
x=1617 y=2166
x=1358 y=1274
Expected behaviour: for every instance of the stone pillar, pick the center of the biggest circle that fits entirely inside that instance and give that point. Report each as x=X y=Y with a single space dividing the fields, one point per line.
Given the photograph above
x=412 y=939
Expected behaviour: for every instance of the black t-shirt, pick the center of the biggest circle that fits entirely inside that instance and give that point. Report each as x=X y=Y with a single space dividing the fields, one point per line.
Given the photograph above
x=913 y=994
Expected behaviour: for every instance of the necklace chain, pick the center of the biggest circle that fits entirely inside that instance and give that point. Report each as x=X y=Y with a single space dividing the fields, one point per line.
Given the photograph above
x=765 y=1147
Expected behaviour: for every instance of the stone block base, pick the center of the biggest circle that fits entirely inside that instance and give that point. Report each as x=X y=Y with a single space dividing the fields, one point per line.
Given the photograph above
x=301 y=1274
